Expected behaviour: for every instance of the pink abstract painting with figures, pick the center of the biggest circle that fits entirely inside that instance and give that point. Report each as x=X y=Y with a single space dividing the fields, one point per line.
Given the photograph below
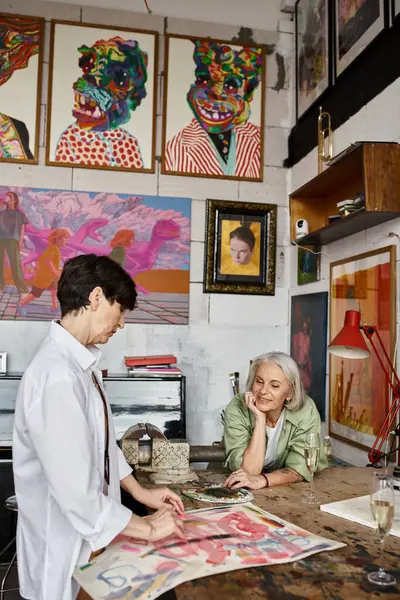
x=147 y=235
x=217 y=540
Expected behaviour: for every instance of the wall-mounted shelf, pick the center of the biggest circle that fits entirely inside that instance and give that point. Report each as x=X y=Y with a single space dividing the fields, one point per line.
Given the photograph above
x=370 y=168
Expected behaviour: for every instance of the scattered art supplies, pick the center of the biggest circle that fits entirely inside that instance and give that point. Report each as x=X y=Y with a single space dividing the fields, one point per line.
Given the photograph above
x=161 y=365
x=358 y=510
x=217 y=540
x=214 y=492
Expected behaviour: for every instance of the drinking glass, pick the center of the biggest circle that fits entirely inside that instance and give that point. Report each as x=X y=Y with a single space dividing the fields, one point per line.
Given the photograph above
x=312 y=448
x=382 y=506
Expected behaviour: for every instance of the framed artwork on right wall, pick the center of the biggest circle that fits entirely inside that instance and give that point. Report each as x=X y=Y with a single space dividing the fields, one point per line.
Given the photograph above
x=359 y=393
x=357 y=23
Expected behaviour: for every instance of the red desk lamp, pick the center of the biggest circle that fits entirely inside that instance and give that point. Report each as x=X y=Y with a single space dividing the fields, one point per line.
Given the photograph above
x=349 y=343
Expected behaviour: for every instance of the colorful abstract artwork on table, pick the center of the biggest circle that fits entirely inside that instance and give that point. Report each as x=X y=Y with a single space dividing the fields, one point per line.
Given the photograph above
x=217 y=540
x=41 y=228
x=21 y=55
x=359 y=392
x=213 y=107
x=102 y=97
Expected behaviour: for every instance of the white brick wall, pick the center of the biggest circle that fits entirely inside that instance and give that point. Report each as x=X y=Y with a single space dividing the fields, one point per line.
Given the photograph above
x=379 y=120
x=225 y=331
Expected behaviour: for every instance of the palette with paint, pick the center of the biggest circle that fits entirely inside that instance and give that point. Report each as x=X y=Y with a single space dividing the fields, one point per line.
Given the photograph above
x=215 y=492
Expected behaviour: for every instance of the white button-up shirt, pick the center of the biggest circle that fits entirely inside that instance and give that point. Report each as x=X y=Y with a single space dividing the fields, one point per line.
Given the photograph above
x=58 y=462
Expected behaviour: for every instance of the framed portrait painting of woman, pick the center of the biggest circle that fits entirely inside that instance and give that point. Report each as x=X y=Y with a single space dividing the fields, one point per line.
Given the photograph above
x=240 y=247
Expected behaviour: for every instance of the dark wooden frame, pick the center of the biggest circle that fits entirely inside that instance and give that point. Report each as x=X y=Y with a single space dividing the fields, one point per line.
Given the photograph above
x=335 y=37
x=261 y=285
x=165 y=110
x=329 y=59
x=392 y=251
x=395 y=15
x=35 y=159
x=54 y=163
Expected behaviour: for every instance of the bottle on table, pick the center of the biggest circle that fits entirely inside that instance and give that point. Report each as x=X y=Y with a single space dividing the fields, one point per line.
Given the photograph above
x=328 y=448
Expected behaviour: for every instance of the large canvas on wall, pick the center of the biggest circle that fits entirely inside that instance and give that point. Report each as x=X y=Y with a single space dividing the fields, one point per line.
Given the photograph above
x=102 y=97
x=308 y=337
x=213 y=109
x=359 y=394
x=21 y=55
x=148 y=235
x=217 y=540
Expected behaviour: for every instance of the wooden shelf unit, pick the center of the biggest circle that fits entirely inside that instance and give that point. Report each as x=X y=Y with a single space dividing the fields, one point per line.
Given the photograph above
x=371 y=168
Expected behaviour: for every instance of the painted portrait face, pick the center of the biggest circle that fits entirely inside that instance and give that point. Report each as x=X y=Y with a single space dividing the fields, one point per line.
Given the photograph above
x=112 y=84
x=225 y=80
x=19 y=40
x=240 y=251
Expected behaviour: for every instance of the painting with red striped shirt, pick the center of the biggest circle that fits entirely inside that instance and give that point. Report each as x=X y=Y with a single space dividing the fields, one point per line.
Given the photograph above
x=213 y=109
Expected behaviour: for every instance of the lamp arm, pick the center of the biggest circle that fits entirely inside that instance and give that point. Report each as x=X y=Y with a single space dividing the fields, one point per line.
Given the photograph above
x=375 y=454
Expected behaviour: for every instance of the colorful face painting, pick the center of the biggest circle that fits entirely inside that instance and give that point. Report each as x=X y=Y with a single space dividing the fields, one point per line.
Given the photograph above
x=20 y=63
x=223 y=105
x=148 y=236
x=111 y=81
x=217 y=540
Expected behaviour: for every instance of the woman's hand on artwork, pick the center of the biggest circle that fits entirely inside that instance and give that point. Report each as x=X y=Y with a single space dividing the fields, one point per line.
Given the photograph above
x=250 y=401
x=239 y=479
x=163 y=497
x=163 y=523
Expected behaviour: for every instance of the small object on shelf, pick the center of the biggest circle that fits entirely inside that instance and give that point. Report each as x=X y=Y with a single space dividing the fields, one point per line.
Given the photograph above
x=333 y=218
x=301 y=228
x=145 y=372
x=159 y=359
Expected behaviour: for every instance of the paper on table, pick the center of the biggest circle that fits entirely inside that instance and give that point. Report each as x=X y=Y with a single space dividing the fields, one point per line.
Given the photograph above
x=358 y=510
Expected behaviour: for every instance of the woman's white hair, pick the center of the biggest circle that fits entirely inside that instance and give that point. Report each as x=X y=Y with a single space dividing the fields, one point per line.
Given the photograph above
x=289 y=369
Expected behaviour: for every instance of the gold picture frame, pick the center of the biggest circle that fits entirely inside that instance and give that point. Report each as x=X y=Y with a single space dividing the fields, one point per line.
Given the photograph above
x=199 y=140
x=240 y=248
x=123 y=102
x=21 y=88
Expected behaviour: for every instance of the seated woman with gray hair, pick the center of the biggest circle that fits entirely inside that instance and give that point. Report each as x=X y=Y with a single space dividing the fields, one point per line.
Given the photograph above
x=266 y=427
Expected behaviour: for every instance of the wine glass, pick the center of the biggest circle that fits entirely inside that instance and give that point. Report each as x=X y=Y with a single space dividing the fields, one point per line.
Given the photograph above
x=312 y=449
x=382 y=506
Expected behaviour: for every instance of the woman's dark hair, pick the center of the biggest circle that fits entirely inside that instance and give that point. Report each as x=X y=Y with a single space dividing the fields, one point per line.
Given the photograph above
x=83 y=273
x=244 y=234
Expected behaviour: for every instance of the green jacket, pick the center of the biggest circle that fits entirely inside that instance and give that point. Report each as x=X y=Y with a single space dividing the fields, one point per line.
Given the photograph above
x=238 y=428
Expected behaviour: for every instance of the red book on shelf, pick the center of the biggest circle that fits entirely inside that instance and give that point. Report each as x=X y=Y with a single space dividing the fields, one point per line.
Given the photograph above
x=161 y=359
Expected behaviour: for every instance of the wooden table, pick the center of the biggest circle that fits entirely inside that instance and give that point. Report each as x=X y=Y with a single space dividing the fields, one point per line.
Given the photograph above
x=337 y=575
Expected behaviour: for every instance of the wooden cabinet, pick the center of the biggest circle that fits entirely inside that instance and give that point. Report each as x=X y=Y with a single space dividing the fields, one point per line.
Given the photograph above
x=370 y=168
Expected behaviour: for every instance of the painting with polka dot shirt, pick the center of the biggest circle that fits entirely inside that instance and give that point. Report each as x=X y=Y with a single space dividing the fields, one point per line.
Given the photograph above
x=102 y=97
x=149 y=236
